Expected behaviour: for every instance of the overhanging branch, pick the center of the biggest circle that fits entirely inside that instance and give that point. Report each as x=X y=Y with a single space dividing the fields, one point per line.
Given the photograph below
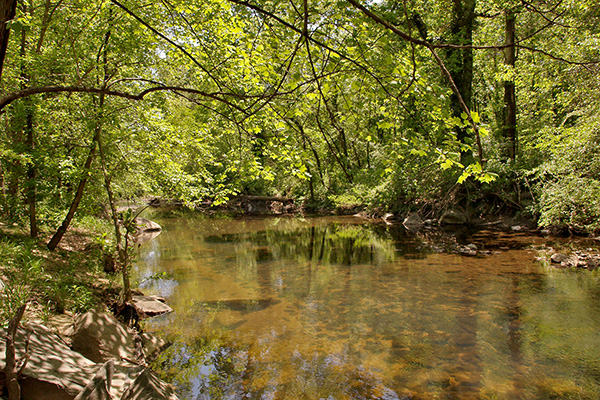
x=8 y=99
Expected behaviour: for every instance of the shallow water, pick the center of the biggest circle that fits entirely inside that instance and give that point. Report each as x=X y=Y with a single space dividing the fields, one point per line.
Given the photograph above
x=339 y=308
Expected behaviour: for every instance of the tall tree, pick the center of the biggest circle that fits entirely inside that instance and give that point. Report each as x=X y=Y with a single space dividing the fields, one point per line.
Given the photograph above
x=459 y=62
x=510 y=97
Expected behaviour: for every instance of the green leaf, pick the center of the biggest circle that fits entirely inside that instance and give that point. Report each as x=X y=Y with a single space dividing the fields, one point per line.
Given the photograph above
x=463 y=177
x=446 y=164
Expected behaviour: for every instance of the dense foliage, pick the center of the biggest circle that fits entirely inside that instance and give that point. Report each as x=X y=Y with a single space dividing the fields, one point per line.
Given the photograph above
x=327 y=102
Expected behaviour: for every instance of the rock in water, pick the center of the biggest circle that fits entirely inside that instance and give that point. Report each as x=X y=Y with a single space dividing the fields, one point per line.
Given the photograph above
x=145 y=225
x=150 y=305
x=453 y=217
x=558 y=258
x=412 y=220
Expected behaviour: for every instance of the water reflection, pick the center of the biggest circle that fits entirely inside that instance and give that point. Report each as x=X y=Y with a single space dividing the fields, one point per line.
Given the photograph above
x=331 y=308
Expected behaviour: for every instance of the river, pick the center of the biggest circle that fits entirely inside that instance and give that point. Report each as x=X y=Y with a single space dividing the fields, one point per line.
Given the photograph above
x=341 y=308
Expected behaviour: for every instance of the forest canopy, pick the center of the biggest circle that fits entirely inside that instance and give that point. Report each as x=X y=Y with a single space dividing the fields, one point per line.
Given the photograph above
x=391 y=105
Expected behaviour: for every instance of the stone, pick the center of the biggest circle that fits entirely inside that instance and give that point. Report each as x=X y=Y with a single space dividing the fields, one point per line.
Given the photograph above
x=412 y=220
x=558 y=258
x=99 y=387
x=56 y=372
x=150 y=305
x=453 y=217
x=388 y=216
x=152 y=346
x=149 y=386
x=592 y=263
x=145 y=225
x=466 y=251
x=101 y=337
x=53 y=370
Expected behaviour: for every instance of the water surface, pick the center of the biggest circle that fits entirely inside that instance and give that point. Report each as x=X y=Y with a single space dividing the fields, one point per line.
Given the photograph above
x=339 y=308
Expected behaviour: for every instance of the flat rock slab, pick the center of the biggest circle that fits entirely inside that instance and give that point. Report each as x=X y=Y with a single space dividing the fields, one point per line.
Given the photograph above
x=150 y=305
x=144 y=224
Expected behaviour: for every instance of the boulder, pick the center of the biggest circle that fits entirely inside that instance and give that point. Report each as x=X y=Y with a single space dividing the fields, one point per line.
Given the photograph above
x=412 y=220
x=56 y=372
x=99 y=387
x=53 y=370
x=101 y=337
x=152 y=346
x=469 y=250
x=453 y=217
x=149 y=386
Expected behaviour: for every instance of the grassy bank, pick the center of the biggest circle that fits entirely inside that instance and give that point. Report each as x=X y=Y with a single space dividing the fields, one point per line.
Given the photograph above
x=69 y=279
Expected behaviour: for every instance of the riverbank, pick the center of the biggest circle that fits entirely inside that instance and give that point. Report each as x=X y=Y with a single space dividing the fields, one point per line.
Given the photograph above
x=68 y=323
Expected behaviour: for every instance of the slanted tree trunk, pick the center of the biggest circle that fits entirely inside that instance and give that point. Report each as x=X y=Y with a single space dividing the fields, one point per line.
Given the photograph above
x=510 y=98
x=78 y=195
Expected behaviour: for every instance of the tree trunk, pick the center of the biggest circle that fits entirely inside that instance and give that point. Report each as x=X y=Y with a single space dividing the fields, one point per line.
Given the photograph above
x=78 y=196
x=460 y=65
x=29 y=136
x=510 y=98
x=10 y=368
x=31 y=171
x=121 y=249
x=8 y=10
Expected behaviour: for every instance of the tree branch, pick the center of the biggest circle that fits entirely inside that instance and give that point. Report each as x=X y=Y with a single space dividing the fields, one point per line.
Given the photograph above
x=6 y=100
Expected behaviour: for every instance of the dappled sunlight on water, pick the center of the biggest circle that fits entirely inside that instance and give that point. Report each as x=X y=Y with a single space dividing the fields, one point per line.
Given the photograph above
x=337 y=308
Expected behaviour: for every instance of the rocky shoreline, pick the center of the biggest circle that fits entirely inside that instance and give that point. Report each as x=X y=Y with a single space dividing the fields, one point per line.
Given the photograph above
x=89 y=356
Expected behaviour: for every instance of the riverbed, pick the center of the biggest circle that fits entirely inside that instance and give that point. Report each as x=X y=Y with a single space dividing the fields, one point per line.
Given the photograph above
x=344 y=308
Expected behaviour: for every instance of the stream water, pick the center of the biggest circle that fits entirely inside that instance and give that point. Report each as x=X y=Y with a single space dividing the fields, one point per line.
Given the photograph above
x=340 y=308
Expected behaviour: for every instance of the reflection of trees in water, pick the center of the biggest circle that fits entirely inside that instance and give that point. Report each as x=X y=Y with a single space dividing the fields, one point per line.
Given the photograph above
x=331 y=244
x=375 y=311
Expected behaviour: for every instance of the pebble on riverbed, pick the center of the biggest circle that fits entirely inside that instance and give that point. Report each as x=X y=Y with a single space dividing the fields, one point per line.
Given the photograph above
x=468 y=250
